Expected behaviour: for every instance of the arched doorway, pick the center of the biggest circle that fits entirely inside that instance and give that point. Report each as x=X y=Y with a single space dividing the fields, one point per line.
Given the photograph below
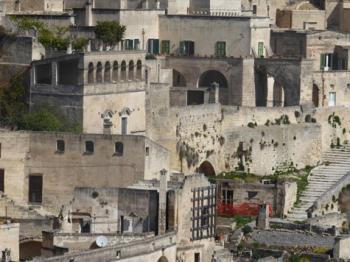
x=210 y=77
x=178 y=79
x=315 y=95
x=162 y=259
x=207 y=169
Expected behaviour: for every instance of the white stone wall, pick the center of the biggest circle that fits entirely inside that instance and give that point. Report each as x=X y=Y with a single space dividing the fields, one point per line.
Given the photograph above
x=9 y=239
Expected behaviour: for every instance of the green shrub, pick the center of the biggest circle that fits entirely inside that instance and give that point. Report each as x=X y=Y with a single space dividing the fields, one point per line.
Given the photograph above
x=247 y=229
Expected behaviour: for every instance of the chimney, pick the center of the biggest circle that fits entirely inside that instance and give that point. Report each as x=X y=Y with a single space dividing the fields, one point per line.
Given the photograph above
x=88 y=12
x=162 y=202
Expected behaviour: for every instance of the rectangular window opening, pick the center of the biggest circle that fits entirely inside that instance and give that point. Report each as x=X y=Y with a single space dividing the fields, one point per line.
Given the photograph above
x=60 y=146
x=35 y=188
x=89 y=147
x=2 y=180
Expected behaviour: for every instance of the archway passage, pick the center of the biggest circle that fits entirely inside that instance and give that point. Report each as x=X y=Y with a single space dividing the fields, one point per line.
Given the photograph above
x=278 y=95
x=207 y=169
x=212 y=76
x=163 y=259
x=315 y=95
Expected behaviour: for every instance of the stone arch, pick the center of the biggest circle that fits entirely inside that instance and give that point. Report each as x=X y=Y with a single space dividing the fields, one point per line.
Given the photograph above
x=212 y=76
x=123 y=71
x=178 y=79
x=315 y=95
x=207 y=169
x=131 y=70
x=107 y=74
x=139 y=69
x=115 y=71
x=99 y=68
x=162 y=259
x=91 y=72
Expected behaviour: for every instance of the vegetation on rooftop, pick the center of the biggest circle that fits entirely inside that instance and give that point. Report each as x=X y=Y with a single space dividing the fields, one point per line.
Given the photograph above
x=15 y=115
x=56 y=38
x=109 y=32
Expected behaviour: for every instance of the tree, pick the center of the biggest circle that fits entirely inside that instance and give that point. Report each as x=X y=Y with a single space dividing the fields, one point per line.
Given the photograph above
x=13 y=102
x=41 y=120
x=109 y=32
x=79 y=43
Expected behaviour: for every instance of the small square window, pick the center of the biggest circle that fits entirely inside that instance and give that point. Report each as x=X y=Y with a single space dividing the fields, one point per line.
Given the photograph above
x=60 y=146
x=118 y=149
x=252 y=194
x=89 y=147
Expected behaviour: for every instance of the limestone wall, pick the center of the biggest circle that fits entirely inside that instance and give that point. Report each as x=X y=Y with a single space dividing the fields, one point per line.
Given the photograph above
x=9 y=239
x=36 y=153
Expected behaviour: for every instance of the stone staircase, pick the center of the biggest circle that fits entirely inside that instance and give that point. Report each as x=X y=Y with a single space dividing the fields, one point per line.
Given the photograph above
x=336 y=164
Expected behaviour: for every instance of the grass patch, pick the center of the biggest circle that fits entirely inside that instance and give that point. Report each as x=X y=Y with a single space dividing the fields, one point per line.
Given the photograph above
x=242 y=220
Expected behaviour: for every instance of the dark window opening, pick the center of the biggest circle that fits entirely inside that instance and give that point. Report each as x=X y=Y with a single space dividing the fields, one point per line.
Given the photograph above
x=119 y=149
x=252 y=194
x=2 y=180
x=43 y=74
x=35 y=189
x=227 y=196
x=254 y=9
x=68 y=72
x=187 y=48
x=124 y=125
x=153 y=46
x=60 y=146
x=197 y=257
x=147 y=151
x=89 y=147
x=0 y=150
x=195 y=97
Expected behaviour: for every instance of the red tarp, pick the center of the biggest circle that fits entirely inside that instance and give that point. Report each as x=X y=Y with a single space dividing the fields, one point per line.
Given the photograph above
x=243 y=209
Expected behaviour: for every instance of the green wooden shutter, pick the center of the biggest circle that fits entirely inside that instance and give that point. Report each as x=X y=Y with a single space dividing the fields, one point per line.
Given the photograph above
x=322 y=61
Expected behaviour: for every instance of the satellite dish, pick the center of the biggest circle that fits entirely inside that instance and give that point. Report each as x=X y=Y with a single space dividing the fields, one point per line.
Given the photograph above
x=101 y=241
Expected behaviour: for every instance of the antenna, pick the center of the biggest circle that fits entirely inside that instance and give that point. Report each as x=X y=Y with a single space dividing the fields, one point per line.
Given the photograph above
x=101 y=241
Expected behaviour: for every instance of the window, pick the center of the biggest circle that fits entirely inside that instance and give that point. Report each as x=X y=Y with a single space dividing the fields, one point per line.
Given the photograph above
x=252 y=194
x=187 y=48
x=136 y=44
x=220 y=49
x=147 y=151
x=60 y=146
x=166 y=47
x=261 y=49
x=0 y=150
x=205 y=217
x=197 y=257
x=118 y=148
x=153 y=46
x=254 y=9
x=128 y=44
x=124 y=125
x=89 y=147
x=2 y=180
x=227 y=196
x=35 y=188
x=328 y=61
x=332 y=99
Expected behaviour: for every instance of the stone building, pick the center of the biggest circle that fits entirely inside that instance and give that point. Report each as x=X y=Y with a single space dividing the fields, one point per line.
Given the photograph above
x=102 y=91
x=42 y=169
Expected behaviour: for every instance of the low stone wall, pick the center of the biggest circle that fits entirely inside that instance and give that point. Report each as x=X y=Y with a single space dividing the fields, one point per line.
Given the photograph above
x=150 y=250
x=302 y=227
x=328 y=197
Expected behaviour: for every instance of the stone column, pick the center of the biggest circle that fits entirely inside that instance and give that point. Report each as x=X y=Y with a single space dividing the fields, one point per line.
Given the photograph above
x=263 y=217
x=270 y=85
x=162 y=202
x=54 y=74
